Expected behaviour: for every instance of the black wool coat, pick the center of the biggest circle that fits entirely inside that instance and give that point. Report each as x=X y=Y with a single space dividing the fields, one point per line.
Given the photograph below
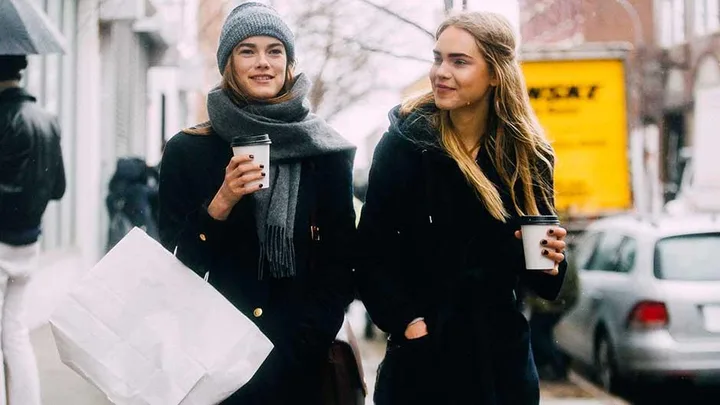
x=430 y=249
x=300 y=315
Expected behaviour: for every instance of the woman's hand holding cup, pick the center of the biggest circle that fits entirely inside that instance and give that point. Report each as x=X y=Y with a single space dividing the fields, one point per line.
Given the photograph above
x=242 y=177
x=553 y=246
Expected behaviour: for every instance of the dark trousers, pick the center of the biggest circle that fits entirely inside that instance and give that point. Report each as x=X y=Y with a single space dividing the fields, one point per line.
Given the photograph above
x=546 y=353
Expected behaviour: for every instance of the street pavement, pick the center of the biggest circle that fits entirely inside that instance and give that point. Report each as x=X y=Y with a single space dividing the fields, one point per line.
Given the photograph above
x=62 y=386
x=59 y=384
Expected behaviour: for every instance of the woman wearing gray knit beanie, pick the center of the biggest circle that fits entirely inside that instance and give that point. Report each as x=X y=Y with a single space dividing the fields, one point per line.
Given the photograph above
x=280 y=253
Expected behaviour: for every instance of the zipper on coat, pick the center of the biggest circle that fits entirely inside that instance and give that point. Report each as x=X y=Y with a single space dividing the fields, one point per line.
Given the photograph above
x=428 y=185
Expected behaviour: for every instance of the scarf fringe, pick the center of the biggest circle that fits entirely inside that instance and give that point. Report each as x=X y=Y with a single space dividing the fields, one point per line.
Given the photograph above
x=278 y=253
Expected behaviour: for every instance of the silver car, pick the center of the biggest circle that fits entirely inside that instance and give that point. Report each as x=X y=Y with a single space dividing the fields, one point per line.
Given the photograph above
x=650 y=301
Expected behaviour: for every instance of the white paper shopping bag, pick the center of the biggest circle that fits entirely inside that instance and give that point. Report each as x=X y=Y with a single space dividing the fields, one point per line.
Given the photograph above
x=146 y=330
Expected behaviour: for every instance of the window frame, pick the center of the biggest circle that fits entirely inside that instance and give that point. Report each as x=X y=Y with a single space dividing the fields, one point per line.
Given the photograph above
x=657 y=261
x=633 y=243
x=706 y=20
x=673 y=24
x=617 y=247
x=585 y=246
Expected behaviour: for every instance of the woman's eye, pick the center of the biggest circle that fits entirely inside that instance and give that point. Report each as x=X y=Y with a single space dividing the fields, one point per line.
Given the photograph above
x=460 y=62
x=275 y=52
x=437 y=61
x=246 y=52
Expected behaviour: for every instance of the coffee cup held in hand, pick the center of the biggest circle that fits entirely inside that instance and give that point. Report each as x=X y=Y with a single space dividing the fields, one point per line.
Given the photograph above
x=534 y=230
x=259 y=147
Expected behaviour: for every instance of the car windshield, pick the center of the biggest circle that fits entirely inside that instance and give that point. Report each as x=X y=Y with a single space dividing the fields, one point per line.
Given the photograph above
x=688 y=258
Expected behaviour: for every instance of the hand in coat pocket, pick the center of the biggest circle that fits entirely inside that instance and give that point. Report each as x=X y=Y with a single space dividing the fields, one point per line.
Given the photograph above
x=416 y=330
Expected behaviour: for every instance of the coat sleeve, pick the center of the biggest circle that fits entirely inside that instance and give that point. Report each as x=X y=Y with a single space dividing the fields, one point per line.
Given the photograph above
x=381 y=254
x=544 y=285
x=185 y=227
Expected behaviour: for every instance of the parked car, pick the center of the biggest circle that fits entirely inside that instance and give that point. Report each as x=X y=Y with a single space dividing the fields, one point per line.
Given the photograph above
x=649 y=306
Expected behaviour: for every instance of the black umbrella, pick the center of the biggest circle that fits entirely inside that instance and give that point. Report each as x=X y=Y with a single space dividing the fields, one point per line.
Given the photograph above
x=26 y=30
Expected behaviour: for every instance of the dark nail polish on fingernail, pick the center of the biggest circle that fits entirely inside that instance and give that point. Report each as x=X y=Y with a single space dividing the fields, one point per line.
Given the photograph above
x=252 y=156
x=550 y=232
x=262 y=166
x=263 y=174
x=543 y=242
x=260 y=186
x=544 y=252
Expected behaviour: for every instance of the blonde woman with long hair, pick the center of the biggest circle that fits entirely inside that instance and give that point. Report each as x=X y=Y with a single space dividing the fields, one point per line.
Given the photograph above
x=442 y=259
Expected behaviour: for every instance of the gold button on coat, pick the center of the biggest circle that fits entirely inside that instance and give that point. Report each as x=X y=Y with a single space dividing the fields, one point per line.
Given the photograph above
x=203 y=237
x=258 y=312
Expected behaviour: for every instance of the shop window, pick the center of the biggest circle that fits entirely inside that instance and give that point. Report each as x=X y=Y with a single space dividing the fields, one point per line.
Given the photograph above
x=707 y=16
x=672 y=22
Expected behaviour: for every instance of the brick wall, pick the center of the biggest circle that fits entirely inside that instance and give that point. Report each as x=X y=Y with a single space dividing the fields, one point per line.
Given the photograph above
x=552 y=21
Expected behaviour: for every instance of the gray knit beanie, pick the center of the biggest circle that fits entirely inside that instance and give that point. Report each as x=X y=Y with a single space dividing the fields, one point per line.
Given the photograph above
x=249 y=20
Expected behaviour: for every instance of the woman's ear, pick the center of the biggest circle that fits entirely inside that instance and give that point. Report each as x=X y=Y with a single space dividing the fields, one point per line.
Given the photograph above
x=494 y=80
x=492 y=72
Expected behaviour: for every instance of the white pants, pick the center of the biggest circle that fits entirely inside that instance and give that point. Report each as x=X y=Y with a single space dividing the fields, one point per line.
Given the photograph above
x=20 y=374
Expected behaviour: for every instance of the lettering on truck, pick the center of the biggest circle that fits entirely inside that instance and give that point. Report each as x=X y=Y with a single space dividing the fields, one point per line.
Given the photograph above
x=563 y=92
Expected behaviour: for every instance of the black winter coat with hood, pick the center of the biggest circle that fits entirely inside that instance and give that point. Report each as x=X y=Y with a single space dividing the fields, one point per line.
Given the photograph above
x=431 y=249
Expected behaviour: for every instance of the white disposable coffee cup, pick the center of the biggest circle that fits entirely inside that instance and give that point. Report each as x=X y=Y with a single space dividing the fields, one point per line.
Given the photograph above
x=534 y=230
x=259 y=147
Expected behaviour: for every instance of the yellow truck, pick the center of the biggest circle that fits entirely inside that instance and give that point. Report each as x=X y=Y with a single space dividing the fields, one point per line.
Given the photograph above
x=580 y=97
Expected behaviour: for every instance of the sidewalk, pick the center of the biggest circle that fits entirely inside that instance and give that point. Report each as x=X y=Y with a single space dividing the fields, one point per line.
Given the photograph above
x=59 y=384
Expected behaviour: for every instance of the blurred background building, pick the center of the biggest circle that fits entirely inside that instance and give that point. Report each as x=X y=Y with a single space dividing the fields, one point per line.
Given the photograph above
x=122 y=88
x=691 y=48
x=676 y=54
x=138 y=70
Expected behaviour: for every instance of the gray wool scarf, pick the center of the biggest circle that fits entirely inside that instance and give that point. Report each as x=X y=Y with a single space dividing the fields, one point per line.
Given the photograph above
x=296 y=134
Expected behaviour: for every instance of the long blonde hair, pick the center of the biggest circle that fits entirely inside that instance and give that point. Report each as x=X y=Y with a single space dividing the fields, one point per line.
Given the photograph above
x=514 y=140
x=230 y=84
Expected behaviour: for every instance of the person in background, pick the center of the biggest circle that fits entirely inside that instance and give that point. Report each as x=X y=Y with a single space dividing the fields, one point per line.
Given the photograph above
x=441 y=255
x=31 y=174
x=280 y=254
x=132 y=199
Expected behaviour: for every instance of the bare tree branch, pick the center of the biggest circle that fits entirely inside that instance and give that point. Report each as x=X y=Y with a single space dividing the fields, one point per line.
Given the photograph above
x=369 y=48
x=342 y=51
x=317 y=95
x=399 y=17
x=349 y=101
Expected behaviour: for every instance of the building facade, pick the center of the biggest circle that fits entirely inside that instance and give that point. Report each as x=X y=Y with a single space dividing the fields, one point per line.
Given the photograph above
x=690 y=38
x=678 y=58
x=574 y=22
x=103 y=93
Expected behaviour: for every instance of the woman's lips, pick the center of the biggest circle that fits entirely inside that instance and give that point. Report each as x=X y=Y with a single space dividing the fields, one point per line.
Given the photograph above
x=439 y=88
x=261 y=78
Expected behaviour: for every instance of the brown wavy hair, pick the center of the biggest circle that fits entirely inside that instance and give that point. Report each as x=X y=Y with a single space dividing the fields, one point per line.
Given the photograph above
x=514 y=140
x=231 y=85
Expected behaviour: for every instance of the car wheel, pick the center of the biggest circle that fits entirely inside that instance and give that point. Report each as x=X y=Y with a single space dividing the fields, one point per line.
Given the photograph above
x=606 y=365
